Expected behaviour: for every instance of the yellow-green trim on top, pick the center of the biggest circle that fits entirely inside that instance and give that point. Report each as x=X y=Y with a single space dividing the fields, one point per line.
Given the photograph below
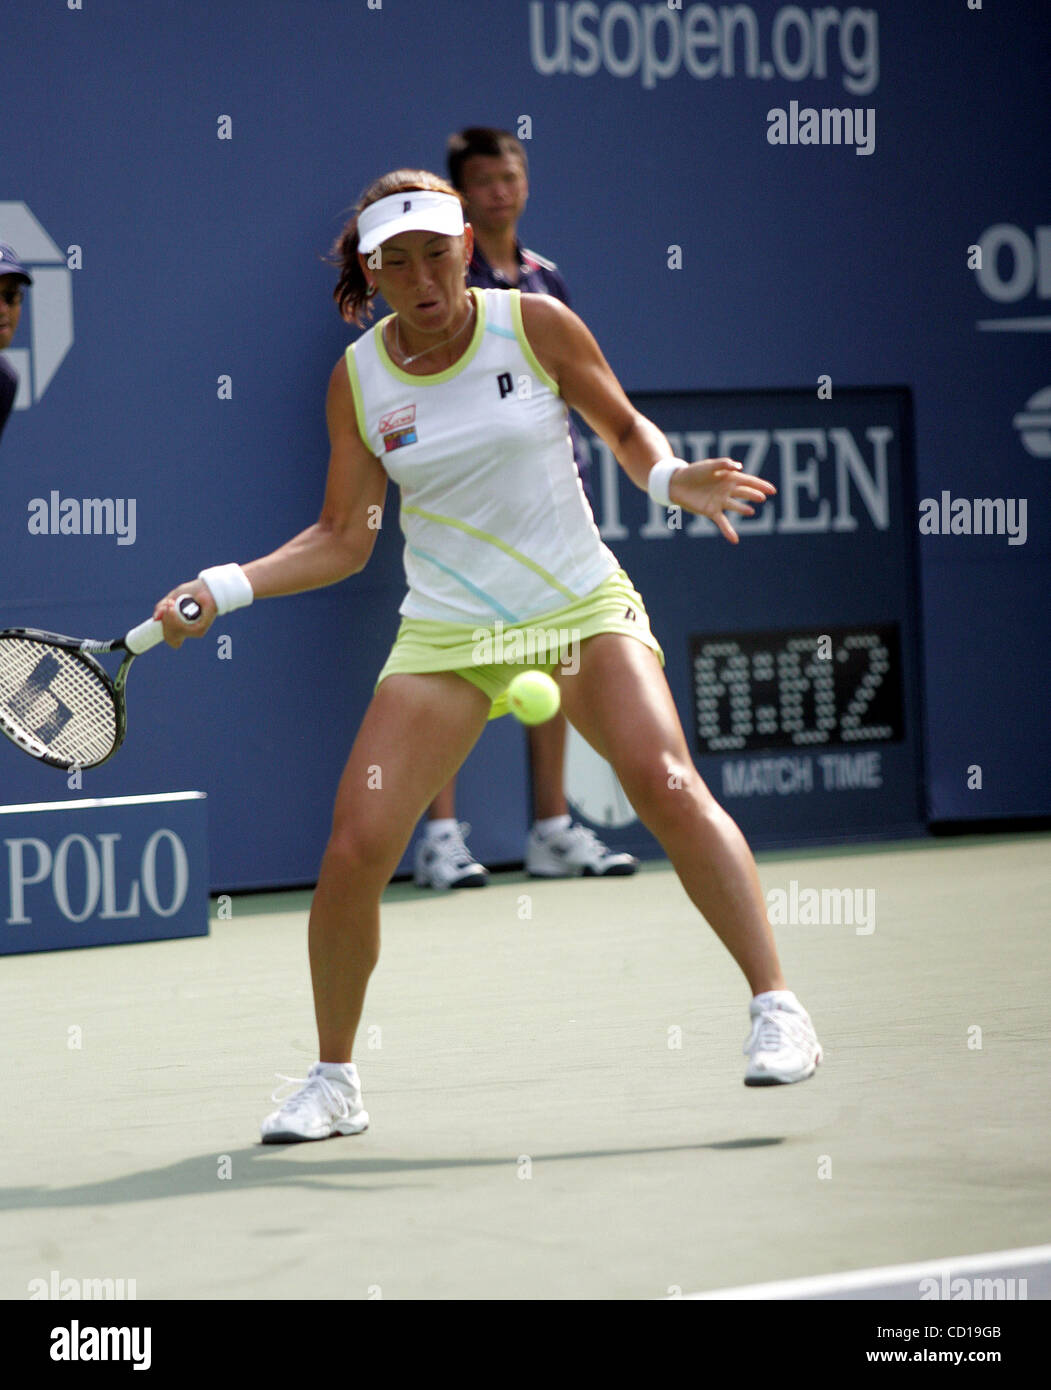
x=355 y=390
x=523 y=342
x=436 y=378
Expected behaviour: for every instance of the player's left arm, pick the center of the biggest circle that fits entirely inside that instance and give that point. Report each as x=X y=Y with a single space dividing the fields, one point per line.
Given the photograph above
x=568 y=352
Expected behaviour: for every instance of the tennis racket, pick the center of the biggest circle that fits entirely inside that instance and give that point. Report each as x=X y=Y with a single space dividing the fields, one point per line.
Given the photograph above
x=58 y=703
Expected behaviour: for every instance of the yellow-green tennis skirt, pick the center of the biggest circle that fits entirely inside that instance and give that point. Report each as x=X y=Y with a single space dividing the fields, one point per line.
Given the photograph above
x=490 y=657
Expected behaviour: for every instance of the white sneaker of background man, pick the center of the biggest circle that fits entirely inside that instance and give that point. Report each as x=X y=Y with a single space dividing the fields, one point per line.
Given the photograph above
x=562 y=848
x=443 y=859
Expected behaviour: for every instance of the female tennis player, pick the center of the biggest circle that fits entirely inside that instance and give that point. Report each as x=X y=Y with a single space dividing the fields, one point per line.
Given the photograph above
x=460 y=397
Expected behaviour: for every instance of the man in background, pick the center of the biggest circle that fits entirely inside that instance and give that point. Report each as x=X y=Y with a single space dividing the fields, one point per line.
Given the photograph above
x=13 y=279
x=490 y=169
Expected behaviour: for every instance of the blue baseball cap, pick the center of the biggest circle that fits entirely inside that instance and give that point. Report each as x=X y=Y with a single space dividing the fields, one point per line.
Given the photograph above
x=11 y=265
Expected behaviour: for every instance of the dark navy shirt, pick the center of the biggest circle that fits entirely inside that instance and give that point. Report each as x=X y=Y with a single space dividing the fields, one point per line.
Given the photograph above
x=536 y=275
x=8 y=391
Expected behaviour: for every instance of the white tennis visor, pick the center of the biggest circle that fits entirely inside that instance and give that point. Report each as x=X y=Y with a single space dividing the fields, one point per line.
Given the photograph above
x=414 y=211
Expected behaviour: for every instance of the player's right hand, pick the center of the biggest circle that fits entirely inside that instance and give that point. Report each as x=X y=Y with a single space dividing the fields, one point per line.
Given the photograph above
x=176 y=629
x=713 y=487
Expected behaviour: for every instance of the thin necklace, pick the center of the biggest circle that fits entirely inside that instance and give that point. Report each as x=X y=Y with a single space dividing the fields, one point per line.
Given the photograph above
x=408 y=361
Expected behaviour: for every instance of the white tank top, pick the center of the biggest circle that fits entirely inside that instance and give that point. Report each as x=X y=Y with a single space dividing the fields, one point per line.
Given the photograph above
x=494 y=515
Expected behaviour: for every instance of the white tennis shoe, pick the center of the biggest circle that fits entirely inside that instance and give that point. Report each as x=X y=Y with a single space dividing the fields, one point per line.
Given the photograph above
x=444 y=861
x=783 y=1045
x=324 y=1105
x=574 y=851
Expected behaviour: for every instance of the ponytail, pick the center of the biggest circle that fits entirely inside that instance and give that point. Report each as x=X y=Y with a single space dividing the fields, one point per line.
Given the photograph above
x=352 y=292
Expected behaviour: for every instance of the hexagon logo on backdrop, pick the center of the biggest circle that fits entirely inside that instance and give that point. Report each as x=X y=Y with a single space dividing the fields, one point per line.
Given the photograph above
x=49 y=300
x=1034 y=424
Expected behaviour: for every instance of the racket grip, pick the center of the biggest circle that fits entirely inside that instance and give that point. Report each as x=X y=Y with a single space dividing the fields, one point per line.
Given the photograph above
x=148 y=634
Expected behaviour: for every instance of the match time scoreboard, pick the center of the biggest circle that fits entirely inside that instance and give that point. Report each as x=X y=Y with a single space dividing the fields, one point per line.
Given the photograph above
x=790 y=690
x=794 y=656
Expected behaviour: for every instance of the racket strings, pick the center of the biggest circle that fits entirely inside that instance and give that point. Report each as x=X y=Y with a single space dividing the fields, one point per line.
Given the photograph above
x=54 y=704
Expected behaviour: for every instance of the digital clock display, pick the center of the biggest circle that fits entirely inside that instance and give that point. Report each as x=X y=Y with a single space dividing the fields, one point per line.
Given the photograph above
x=797 y=689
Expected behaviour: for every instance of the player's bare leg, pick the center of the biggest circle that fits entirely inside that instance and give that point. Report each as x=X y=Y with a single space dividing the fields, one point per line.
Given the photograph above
x=415 y=734
x=639 y=733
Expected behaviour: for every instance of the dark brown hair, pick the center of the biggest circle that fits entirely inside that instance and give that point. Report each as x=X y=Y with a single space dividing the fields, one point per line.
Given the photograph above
x=351 y=292
x=480 y=139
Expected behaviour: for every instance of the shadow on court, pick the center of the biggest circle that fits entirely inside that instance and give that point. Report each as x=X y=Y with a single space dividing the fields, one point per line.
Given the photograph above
x=261 y=1167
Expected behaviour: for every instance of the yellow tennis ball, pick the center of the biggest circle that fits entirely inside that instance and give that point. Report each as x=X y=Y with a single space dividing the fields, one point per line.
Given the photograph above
x=533 y=697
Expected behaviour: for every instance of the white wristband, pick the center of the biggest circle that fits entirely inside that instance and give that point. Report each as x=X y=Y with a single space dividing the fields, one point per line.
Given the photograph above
x=229 y=586
x=660 y=478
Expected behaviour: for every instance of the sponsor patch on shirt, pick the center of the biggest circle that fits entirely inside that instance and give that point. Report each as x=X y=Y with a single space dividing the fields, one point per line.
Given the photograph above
x=397 y=419
x=397 y=439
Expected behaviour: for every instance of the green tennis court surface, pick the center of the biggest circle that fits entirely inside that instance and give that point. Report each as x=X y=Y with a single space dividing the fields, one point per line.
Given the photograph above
x=554 y=1077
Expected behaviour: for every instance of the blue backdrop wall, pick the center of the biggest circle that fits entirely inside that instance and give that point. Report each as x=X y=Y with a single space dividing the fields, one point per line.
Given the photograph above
x=175 y=173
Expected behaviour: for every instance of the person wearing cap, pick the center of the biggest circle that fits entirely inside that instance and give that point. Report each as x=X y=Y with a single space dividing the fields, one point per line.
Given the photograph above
x=489 y=168
x=13 y=279
x=498 y=537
